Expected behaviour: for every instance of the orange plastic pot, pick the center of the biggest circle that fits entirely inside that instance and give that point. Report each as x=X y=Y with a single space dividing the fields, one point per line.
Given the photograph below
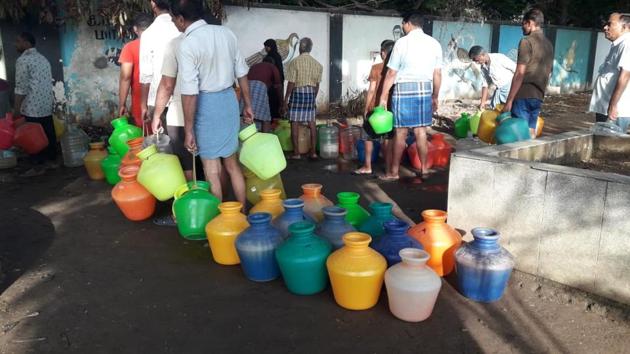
x=131 y=158
x=133 y=200
x=439 y=239
x=314 y=201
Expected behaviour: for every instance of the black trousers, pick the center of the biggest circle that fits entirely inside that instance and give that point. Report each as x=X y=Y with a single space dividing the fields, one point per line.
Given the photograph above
x=50 y=152
x=600 y=117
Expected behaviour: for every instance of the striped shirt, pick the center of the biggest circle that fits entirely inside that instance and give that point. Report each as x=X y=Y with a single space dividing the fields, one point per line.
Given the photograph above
x=304 y=71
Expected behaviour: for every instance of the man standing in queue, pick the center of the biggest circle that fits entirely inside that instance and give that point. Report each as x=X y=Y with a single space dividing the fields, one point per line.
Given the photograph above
x=208 y=62
x=533 y=68
x=415 y=71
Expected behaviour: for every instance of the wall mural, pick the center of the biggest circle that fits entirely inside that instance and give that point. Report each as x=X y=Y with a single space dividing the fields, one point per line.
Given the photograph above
x=461 y=78
x=287 y=48
x=570 y=65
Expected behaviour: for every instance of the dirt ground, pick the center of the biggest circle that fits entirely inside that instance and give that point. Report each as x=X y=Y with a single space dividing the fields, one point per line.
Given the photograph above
x=77 y=277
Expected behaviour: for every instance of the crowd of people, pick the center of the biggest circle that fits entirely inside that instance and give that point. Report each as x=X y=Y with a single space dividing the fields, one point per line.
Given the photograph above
x=182 y=72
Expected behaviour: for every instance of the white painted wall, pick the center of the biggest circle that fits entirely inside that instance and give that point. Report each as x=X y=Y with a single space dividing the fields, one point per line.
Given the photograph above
x=602 y=49
x=255 y=25
x=362 y=37
x=3 y=67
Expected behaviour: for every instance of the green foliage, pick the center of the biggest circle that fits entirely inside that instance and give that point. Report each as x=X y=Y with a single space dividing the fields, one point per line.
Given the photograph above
x=582 y=13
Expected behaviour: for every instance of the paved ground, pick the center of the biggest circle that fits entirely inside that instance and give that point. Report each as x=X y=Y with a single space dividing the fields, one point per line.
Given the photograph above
x=80 y=278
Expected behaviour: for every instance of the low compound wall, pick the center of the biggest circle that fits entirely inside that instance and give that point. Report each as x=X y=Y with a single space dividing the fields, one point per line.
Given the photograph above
x=566 y=224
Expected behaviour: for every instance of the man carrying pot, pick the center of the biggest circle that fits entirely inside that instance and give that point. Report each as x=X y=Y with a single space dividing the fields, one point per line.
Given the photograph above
x=415 y=72
x=208 y=62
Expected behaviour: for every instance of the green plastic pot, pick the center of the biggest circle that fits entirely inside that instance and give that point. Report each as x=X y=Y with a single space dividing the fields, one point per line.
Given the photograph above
x=283 y=132
x=110 y=166
x=462 y=125
x=356 y=214
x=194 y=207
x=123 y=132
x=381 y=120
x=474 y=122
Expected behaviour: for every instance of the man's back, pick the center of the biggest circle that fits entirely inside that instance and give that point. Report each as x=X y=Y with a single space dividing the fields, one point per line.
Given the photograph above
x=536 y=52
x=34 y=80
x=152 y=46
x=304 y=71
x=209 y=59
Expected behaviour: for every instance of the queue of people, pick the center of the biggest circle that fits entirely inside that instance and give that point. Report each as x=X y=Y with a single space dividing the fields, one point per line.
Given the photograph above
x=181 y=75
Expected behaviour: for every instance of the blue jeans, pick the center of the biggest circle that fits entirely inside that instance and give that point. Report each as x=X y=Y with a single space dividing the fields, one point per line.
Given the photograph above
x=528 y=109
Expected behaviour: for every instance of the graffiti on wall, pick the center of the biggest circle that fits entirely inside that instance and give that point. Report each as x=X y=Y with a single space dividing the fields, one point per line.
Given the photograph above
x=252 y=26
x=461 y=78
x=570 y=64
x=90 y=52
x=287 y=48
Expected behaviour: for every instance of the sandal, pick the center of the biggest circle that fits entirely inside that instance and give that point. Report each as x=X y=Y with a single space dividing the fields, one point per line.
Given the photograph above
x=313 y=158
x=294 y=157
x=167 y=220
x=386 y=178
x=360 y=172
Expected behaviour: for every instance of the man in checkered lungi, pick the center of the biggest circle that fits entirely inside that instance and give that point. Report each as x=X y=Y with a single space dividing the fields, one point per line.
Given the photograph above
x=415 y=70
x=304 y=74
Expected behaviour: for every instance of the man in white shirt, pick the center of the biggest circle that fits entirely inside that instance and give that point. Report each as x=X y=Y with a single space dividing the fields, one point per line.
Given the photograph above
x=208 y=63
x=611 y=96
x=497 y=70
x=152 y=46
x=415 y=67
x=168 y=91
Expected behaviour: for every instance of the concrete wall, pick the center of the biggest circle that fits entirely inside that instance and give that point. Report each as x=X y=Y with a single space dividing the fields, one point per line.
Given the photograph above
x=90 y=52
x=362 y=37
x=255 y=25
x=565 y=224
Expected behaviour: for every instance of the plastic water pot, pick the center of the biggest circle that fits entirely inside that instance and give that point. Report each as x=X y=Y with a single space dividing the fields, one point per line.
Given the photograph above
x=483 y=267
x=7 y=131
x=473 y=122
x=462 y=125
x=194 y=208
x=133 y=200
x=123 y=132
x=93 y=159
x=161 y=174
x=261 y=153
x=487 y=126
x=381 y=120
x=356 y=272
x=283 y=132
x=30 y=137
x=412 y=287
x=511 y=129
x=111 y=165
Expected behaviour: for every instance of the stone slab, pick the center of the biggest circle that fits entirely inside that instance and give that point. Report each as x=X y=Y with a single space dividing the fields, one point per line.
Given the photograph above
x=613 y=260
x=571 y=229
x=519 y=195
x=470 y=193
